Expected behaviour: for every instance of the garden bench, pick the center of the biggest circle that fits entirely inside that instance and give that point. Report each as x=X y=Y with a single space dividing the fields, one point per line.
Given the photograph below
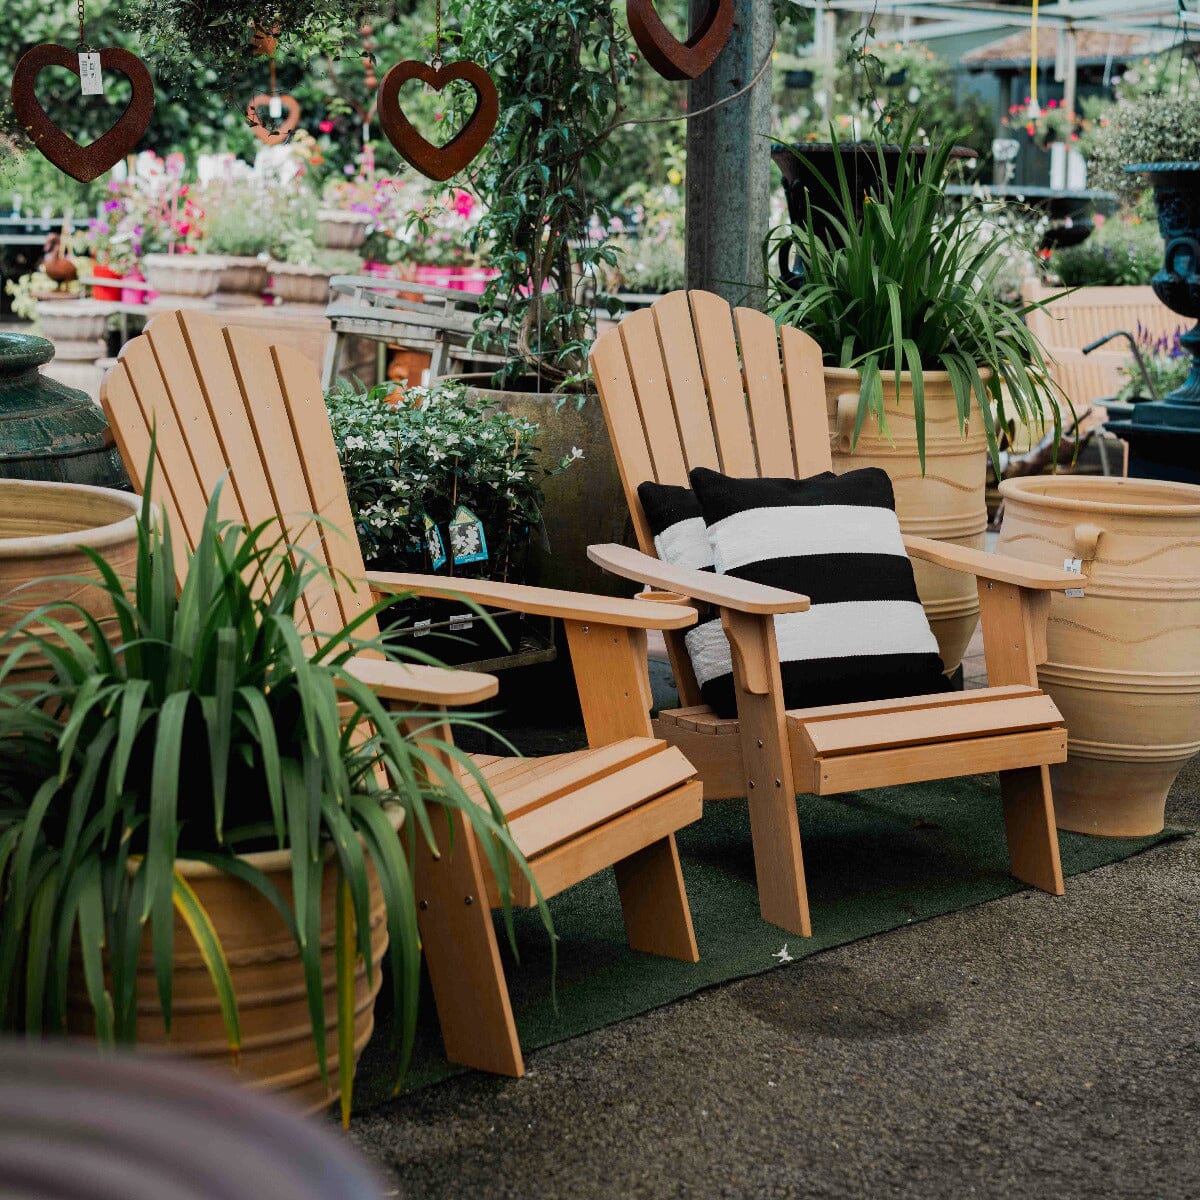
x=688 y=384
x=223 y=401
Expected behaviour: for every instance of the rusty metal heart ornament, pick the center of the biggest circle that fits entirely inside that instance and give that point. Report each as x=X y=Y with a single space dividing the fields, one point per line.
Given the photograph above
x=273 y=135
x=84 y=163
x=670 y=57
x=438 y=162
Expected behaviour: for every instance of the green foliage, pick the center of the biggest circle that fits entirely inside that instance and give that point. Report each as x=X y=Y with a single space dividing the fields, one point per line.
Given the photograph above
x=558 y=66
x=420 y=452
x=1121 y=251
x=910 y=288
x=1167 y=364
x=245 y=218
x=201 y=724
x=1149 y=128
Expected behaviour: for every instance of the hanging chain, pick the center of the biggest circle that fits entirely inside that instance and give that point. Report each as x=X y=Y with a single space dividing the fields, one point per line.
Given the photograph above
x=79 y=9
x=437 y=36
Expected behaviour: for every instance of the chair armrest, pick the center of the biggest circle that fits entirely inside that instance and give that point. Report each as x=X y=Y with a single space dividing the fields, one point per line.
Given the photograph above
x=999 y=567
x=416 y=683
x=723 y=591
x=544 y=602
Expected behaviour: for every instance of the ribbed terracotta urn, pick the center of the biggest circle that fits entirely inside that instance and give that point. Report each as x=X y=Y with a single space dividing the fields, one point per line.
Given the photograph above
x=947 y=502
x=1124 y=660
x=49 y=431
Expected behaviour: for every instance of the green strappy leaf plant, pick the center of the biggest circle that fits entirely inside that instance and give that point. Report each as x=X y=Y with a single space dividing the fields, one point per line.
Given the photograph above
x=203 y=724
x=908 y=288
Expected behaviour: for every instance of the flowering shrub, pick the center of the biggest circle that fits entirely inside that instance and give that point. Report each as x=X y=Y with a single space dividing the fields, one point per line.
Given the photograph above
x=116 y=237
x=1166 y=361
x=1152 y=128
x=1052 y=122
x=650 y=243
x=417 y=453
x=1125 y=250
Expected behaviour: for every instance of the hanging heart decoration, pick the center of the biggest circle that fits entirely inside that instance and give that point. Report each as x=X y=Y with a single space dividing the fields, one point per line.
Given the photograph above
x=83 y=163
x=438 y=162
x=670 y=57
x=279 y=131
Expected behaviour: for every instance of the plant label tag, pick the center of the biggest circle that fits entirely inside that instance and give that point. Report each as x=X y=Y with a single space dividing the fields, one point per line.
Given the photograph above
x=89 y=73
x=275 y=107
x=462 y=621
x=1075 y=566
x=467 y=540
x=421 y=628
x=437 y=549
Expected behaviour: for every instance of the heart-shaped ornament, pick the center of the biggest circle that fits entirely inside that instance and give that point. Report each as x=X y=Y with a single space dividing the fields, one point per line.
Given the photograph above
x=438 y=162
x=280 y=131
x=670 y=57
x=84 y=163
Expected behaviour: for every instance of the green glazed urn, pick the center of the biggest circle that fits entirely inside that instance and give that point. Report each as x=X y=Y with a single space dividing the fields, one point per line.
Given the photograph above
x=48 y=430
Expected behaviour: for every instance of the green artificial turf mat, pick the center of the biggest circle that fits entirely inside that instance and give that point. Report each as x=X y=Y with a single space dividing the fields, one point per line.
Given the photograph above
x=874 y=860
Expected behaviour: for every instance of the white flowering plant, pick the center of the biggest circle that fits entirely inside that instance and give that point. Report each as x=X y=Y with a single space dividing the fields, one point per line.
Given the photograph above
x=415 y=457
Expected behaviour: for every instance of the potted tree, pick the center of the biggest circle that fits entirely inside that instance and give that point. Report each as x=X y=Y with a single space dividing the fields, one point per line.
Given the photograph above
x=199 y=808
x=923 y=358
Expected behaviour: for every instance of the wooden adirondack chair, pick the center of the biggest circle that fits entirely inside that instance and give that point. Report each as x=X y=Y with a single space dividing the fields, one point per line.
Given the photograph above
x=680 y=390
x=225 y=401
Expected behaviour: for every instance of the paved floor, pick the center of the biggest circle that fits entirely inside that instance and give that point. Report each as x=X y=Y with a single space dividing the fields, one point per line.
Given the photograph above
x=1032 y=1047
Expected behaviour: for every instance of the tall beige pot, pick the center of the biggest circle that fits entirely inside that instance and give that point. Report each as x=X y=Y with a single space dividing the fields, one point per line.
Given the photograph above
x=277 y=1050
x=946 y=503
x=43 y=528
x=1124 y=661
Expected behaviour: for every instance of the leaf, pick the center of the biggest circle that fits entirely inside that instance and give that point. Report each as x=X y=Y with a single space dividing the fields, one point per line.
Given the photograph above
x=200 y=926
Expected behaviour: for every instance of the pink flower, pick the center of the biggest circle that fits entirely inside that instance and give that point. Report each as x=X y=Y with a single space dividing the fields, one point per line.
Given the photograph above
x=464 y=203
x=325 y=126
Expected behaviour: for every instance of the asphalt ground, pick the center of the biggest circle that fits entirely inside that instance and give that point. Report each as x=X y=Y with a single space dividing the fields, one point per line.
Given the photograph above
x=1033 y=1046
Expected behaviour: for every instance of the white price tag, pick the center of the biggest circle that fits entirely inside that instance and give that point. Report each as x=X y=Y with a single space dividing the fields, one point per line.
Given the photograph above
x=89 y=73
x=1075 y=566
x=275 y=108
x=461 y=621
x=421 y=628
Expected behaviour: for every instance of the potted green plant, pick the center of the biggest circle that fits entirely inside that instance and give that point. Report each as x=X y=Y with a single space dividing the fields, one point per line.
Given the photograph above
x=198 y=815
x=924 y=359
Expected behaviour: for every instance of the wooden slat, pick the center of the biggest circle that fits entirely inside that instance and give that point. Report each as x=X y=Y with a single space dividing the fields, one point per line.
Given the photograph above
x=420 y=684
x=804 y=381
x=132 y=436
x=883 y=731
x=613 y=680
x=945 y=760
x=172 y=457
x=723 y=377
x=191 y=412
x=599 y=802
x=984 y=564
x=305 y=406
x=610 y=369
x=649 y=375
x=699 y=719
x=764 y=391
x=685 y=379
x=832 y=712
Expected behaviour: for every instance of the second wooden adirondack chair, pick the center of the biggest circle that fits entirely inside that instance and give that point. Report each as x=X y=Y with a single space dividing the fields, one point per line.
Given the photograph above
x=224 y=401
x=685 y=384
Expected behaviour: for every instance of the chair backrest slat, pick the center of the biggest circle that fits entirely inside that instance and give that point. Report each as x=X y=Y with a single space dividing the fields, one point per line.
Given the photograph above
x=685 y=380
x=764 y=392
x=804 y=381
x=723 y=377
x=649 y=374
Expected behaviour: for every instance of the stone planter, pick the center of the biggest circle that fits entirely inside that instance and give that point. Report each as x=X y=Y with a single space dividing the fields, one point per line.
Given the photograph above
x=243 y=279
x=277 y=1051
x=73 y=321
x=947 y=502
x=1124 y=661
x=42 y=529
x=338 y=230
x=585 y=504
x=299 y=285
x=48 y=430
x=187 y=276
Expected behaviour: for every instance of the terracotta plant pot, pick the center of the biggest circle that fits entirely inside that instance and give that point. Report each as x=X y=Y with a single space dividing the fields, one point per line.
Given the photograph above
x=299 y=285
x=338 y=230
x=277 y=1052
x=193 y=276
x=1124 y=661
x=243 y=277
x=947 y=503
x=42 y=527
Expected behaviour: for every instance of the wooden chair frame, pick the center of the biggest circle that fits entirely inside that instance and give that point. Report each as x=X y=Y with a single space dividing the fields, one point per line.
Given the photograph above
x=226 y=403
x=687 y=383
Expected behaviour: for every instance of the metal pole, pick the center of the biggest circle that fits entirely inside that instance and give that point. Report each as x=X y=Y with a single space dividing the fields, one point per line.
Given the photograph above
x=729 y=162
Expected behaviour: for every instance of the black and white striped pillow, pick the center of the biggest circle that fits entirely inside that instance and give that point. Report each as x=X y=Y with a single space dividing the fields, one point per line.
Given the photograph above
x=865 y=636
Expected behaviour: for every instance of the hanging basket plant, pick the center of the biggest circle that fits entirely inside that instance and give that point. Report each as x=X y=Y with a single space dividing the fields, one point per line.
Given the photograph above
x=228 y=35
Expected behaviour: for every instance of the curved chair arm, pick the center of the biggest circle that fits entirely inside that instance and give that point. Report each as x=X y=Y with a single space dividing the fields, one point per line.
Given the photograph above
x=999 y=567
x=544 y=602
x=416 y=683
x=722 y=591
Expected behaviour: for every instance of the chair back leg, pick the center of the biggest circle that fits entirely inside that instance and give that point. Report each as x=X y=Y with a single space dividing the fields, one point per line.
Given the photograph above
x=1029 y=826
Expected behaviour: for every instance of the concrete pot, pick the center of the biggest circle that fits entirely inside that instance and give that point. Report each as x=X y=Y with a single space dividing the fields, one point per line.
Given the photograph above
x=195 y=276
x=277 y=1051
x=243 y=277
x=1124 y=661
x=73 y=320
x=338 y=230
x=299 y=285
x=42 y=529
x=585 y=504
x=947 y=502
